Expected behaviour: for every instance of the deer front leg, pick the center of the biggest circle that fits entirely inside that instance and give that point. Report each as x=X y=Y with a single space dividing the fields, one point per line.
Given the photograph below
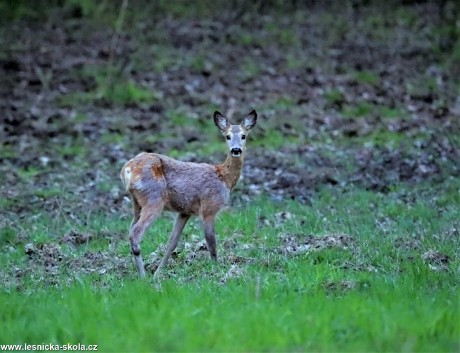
x=210 y=236
x=181 y=220
x=147 y=215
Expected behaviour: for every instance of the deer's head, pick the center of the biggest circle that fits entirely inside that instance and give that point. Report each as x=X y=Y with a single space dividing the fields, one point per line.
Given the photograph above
x=235 y=134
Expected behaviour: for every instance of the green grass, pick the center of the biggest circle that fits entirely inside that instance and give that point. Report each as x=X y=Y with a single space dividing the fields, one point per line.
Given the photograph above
x=249 y=70
x=7 y=236
x=334 y=97
x=364 y=109
x=367 y=77
x=360 y=109
x=7 y=151
x=28 y=173
x=111 y=85
x=391 y=113
x=121 y=92
x=47 y=193
x=377 y=293
x=381 y=138
x=296 y=315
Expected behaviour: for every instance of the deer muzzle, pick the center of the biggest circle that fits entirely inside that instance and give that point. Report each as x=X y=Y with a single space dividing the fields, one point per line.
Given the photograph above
x=236 y=152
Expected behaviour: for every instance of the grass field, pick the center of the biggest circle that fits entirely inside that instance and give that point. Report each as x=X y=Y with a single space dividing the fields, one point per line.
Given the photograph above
x=354 y=271
x=343 y=233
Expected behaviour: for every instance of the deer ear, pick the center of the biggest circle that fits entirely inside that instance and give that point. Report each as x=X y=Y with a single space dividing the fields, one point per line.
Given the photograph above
x=220 y=121
x=250 y=120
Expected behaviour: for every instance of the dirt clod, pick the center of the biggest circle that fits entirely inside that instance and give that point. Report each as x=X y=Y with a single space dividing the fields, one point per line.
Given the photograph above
x=436 y=260
x=73 y=237
x=300 y=243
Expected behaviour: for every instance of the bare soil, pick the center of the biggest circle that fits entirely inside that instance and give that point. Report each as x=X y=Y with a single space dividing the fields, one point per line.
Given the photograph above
x=302 y=71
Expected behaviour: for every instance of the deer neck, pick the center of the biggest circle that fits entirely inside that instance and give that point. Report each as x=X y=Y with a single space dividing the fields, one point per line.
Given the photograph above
x=229 y=171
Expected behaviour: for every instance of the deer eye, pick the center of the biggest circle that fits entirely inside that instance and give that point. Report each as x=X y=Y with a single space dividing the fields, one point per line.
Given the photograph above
x=243 y=137
x=228 y=137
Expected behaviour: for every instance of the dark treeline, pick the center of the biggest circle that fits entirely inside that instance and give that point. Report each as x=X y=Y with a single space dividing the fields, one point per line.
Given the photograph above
x=445 y=12
x=13 y=9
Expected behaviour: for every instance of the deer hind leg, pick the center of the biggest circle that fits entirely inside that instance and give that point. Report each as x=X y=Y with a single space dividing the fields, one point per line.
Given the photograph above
x=136 y=210
x=210 y=236
x=147 y=215
x=181 y=220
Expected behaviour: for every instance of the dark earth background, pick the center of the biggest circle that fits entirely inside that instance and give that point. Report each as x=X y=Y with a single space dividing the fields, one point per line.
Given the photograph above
x=349 y=94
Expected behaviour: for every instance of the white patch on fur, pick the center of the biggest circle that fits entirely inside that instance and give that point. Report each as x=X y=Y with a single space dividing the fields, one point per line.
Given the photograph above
x=127 y=178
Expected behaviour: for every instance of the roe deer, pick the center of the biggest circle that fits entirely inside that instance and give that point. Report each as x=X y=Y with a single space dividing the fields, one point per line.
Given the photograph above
x=156 y=182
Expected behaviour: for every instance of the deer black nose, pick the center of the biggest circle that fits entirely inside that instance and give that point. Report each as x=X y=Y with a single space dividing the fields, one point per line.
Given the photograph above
x=236 y=151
